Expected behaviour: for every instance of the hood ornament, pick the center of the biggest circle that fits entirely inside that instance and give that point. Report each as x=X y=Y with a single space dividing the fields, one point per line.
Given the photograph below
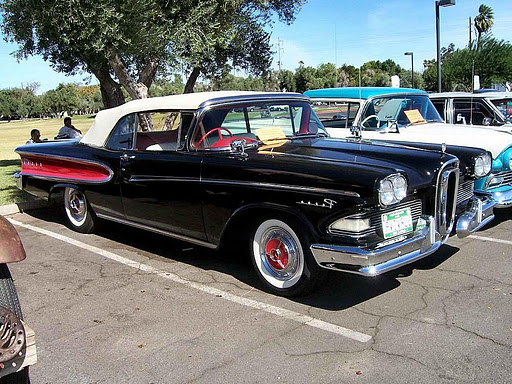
x=443 y=147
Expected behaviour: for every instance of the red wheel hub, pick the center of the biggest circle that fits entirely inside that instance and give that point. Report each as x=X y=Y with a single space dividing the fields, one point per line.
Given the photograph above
x=277 y=254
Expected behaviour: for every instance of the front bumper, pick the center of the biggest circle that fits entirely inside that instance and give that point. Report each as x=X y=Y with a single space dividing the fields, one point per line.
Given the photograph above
x=503 y=199
x=478 y=214
x=373 y=262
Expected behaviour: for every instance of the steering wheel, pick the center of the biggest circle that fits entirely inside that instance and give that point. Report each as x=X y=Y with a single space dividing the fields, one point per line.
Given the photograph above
x=218 y=130
x=370 y=117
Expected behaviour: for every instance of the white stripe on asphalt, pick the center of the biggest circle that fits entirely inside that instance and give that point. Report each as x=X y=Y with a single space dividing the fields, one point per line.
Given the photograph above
x=490 y=239
x=290 y=315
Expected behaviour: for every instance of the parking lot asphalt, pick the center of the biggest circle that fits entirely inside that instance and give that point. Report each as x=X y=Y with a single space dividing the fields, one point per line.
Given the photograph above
x=128 y=306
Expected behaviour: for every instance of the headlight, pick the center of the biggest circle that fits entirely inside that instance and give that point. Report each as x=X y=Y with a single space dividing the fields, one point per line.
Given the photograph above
x=506 y=160
x=392 y=189
x=483 y=165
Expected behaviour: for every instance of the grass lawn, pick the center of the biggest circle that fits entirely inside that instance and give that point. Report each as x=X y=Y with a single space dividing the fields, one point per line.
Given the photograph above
x=16 y=133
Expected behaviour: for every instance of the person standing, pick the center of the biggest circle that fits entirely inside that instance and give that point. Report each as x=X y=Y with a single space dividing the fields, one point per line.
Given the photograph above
x=68 y=131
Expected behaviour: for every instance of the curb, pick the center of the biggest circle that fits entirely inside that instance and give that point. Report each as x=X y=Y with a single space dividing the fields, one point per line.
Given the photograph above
x=11 y=209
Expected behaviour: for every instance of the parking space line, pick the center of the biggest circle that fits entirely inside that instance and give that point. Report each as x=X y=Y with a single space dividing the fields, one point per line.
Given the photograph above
x=492 y=240
x=285 y=313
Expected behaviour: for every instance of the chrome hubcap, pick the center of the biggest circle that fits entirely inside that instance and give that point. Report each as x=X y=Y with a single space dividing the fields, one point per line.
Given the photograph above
x=77 y=205
x=279 y=253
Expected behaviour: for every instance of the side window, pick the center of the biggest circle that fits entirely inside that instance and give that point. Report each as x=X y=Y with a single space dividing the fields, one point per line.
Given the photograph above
x=122 y=135
x=440 y=106
x=158 y=130
x=482 y=114
x=334 y=113
x=461 y=112
x=185 y=124
x=475 y=112
x=352 y=112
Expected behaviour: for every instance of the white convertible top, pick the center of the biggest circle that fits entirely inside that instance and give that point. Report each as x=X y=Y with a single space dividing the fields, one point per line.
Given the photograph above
x=106 y=119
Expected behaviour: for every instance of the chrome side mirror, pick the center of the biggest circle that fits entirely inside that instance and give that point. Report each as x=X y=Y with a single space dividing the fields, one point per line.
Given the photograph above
x=487 y=121
x=356 y=131
x=392 y=126
x=238 y=147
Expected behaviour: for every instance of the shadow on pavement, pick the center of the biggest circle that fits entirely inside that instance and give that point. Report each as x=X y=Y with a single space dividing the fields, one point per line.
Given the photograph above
x=337 y=292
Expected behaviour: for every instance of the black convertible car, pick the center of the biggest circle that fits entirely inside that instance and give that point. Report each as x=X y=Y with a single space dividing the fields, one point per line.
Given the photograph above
x=257 y=171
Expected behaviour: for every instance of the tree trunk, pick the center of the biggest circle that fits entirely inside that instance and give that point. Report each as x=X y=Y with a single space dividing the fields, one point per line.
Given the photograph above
x=191 y=82
x=137 y=90
x=111 y=93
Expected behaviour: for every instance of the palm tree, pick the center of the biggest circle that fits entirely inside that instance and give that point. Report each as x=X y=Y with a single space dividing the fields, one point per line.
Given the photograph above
x=483 y=21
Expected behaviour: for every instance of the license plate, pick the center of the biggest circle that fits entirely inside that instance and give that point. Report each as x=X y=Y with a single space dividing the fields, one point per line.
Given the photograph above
x=396 y=223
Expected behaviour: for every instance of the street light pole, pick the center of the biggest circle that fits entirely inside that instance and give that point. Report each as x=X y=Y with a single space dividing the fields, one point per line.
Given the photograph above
x=412 y=66
x=440 y=3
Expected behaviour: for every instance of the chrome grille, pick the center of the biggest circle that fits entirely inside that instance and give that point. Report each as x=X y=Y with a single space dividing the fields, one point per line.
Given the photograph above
x=507 y=179
x=465 y=191
x=446 y=197
x=376 y=222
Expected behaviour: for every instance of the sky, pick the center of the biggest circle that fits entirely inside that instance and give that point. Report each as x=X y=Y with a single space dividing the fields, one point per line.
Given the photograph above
x=336 y=31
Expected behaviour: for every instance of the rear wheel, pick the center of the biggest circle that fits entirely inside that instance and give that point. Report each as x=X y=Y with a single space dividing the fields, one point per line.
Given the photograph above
x=78 y=211
x=281 y=259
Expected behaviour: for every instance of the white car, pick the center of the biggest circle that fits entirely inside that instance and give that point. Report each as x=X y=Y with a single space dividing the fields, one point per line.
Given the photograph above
x=407 y=116
x=493 y=109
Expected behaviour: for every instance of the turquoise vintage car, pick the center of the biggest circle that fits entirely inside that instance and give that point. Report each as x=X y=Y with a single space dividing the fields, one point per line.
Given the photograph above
x=408 y=116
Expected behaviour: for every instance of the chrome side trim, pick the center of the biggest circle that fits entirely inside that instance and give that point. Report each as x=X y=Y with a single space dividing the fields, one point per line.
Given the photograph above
x=69 y=180
x=373 y=262
x=159 y=231
x=285 y=187
x=479 y=214
x=138 y=178
x=296 y=188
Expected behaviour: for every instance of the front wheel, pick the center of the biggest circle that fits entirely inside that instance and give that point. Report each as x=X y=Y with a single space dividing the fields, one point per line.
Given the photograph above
x=282 y=261
x=78 y=211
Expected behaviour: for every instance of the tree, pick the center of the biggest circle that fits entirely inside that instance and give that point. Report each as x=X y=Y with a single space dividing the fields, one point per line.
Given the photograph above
x=483 y=21
x=305 y=78
x=125 y=43
x=492 y=61
x=286 y=81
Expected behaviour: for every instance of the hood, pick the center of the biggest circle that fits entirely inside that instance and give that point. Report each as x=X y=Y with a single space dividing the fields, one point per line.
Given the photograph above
x=355 y=160
x=465 y=136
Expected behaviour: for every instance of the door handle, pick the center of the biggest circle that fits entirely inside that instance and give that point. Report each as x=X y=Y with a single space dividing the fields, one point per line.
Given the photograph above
x=127 y=157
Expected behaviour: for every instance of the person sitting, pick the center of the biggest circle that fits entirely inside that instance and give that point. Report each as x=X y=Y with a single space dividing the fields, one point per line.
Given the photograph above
x=68 y=131
x=35 y=137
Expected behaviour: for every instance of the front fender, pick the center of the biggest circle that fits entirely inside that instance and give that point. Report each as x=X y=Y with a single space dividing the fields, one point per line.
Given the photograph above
x=236 y=221
x=11 y=248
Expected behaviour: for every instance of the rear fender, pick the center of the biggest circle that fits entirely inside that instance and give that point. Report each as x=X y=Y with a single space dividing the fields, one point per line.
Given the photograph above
x=60 y=186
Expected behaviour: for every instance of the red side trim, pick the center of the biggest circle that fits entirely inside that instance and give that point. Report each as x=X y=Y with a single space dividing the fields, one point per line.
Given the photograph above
x=64 y=169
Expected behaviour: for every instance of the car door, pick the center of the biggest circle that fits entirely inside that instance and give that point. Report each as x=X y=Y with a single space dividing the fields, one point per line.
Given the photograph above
x=467 y=111
x=160 y=188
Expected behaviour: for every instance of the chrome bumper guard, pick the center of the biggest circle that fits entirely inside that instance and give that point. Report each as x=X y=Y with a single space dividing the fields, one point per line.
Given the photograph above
x=373 y=262
x=503 y=199
x=480 y=213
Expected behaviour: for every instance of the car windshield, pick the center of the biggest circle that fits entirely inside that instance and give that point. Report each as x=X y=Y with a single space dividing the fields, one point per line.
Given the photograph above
x=404 y=110
x=256 y=123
